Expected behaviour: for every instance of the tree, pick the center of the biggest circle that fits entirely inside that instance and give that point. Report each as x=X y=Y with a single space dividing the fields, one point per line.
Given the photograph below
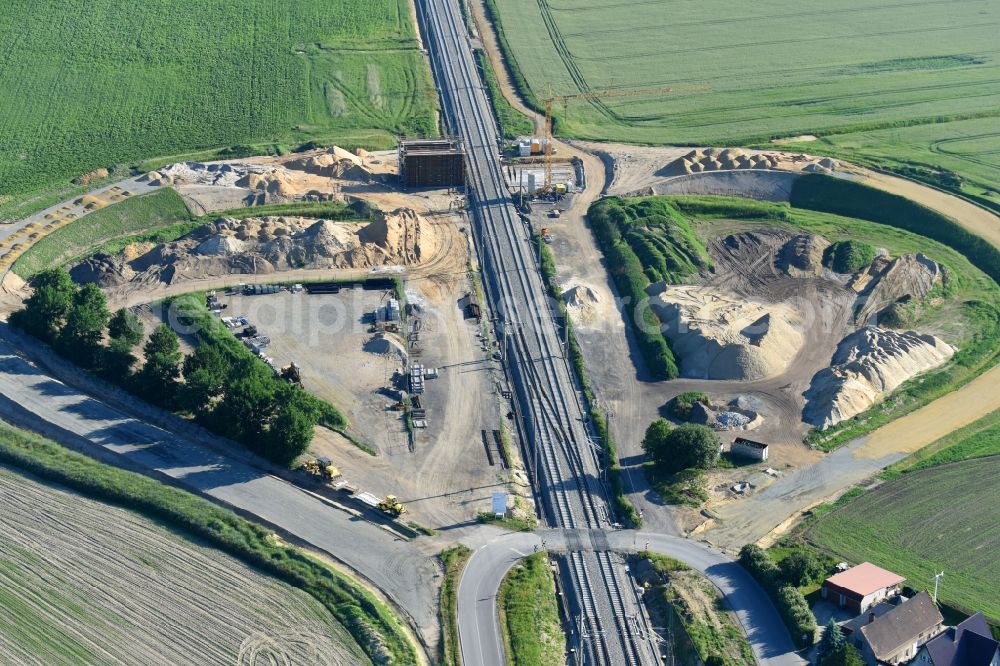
x=80 y=337
x=656 y=439
x=45 y=311
x=125 y=330
x=157 y=381
x=292 y=430
x=689 y=446
x=831 y=641
x=801 y=567
x=760 y=565
x=206 y=372
x=846 y=655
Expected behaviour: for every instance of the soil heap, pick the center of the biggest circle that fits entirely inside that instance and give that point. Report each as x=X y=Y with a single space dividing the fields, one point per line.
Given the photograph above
x=269 y=244
x=889 y=281
x=733 y=159
x=869 y=362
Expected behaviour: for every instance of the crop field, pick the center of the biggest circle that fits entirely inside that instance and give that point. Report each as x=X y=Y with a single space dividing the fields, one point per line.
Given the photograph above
x=91 y=84
x=160 y=211
x=753 y=71
x=86 y=582
x=943 y=518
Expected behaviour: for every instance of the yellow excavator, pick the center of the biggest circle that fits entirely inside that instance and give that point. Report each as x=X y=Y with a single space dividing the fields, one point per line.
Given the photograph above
x=392 y=506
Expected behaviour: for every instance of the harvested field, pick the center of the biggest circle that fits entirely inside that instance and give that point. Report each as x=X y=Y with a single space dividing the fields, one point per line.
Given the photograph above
x=85 y=582
x=943 y=518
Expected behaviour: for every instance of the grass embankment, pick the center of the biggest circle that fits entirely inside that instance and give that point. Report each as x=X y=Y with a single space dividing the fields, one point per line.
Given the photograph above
x=279 y=74
x=370 y=622
x=623 y=507
x=647 y=240
x=512 y=122
x=159 y=217
x=959 y=156
x=693 y=609
x=529 y=614
x=453 y=560
x=976 y=440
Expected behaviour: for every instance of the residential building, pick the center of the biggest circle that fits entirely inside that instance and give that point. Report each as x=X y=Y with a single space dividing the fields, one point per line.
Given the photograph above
x=893 y=631
x=969 y=643
x=861 y=587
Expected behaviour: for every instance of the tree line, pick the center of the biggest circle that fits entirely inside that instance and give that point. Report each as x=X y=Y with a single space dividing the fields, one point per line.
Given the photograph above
x=232 y=394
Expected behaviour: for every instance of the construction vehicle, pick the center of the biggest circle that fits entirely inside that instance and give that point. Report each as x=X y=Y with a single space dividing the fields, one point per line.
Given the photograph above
x=322 y=468
x=391 y=506
x=594 y=97
x=292 y=373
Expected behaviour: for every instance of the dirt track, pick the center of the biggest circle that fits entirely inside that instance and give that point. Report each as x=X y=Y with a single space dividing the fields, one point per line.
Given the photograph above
x=90 y=583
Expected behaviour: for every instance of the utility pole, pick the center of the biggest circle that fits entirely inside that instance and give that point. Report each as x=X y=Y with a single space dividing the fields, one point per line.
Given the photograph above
x=937 y=579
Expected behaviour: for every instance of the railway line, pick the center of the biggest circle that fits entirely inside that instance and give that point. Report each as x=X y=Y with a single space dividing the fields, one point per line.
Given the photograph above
x=602 y=603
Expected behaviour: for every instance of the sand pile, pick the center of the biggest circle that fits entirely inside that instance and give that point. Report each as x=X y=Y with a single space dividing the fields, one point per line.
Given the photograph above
x=802 y=256
x=275 y=182
x=732 y=159
x=721 y=335
x=867 y=364
x=401 y=234
x=198 y=173
x=890 y=281
x=383 y=344
x=335 y=163
x=268 y=244
x=582 y=302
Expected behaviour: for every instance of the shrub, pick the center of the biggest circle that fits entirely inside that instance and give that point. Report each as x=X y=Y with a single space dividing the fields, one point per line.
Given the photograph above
x=788 y=600
x=848 y=256
x=680 y=406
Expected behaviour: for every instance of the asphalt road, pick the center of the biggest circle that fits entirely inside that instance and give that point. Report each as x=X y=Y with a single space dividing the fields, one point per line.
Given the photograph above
x=33 y=399
x=478 y=622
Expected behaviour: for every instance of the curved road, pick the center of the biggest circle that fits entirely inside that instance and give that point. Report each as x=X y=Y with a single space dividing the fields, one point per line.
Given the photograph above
x=478 y=621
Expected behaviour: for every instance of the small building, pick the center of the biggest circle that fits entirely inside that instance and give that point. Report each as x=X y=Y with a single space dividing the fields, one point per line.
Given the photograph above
x=895 y=635
x=749 y=449
x=432 y=163
x=861 y=587
x=969 y=643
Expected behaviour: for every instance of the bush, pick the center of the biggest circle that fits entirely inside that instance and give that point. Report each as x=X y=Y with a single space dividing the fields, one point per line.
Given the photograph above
x=788 y=600
x=680 y=406
x=848 y=256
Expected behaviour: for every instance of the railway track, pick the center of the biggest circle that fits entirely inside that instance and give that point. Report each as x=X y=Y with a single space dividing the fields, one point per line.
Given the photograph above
x=602 y=602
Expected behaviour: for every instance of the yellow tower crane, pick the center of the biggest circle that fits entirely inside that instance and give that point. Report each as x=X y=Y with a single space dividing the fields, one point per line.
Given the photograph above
x=596 y=94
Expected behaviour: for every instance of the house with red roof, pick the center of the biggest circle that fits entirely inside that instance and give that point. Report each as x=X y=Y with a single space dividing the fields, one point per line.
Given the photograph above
x=861 y=587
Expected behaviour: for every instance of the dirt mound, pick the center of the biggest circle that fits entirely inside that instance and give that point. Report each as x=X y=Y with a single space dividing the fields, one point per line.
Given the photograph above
x=582 y=302
x=335 y=163
x=91 y=176
x=402 y=234
x=802 y=255
x=722 y=335
x=867 y=364
x=105 y=270
x=382 y=344
x=732 y=159
x=889 y=281
x=275 y=182
x=269 y=244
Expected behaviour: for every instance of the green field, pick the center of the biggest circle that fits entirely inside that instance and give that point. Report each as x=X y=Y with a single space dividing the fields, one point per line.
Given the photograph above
x=946 y=518
x=970 y=148
x=105 y=83
x=162 y=214
x=765 y=69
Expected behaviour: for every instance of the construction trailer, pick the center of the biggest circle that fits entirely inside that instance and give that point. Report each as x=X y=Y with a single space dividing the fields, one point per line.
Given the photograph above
x=432 y=163
x=749 y=449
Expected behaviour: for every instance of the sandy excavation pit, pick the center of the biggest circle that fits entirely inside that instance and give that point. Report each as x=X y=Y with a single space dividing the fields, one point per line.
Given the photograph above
x=772 y=315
